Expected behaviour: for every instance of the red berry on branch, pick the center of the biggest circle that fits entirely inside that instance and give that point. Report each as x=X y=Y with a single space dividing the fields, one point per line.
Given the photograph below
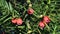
x=14 y=20
x=41 y=24
x=46 y=19
x=19 y=21
x=30 y=11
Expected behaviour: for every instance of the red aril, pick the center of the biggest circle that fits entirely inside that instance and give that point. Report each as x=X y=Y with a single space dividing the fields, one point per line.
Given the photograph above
x=14 y=20
x=30 y=11
x=19 y=21
x=41 y=24
x=46 y=19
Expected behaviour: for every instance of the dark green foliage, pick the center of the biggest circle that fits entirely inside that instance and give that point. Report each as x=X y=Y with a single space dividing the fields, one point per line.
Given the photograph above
x=18 y=8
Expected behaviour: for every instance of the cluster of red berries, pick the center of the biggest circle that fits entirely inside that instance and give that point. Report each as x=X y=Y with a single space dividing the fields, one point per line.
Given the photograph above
x=30 y=11
x=46 y=20
x=19 y=21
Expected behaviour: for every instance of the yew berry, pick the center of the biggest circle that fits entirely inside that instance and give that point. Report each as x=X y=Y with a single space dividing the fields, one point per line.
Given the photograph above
x=30 y=11
x=41 y=24
x=14 y=20
x=19 y=21
x=46 y=19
